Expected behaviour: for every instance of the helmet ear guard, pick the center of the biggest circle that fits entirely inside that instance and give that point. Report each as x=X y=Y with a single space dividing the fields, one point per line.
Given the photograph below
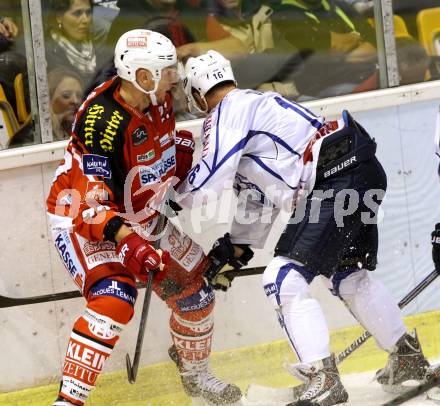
x=193 y=105
x=205 y=72
x=144 y=49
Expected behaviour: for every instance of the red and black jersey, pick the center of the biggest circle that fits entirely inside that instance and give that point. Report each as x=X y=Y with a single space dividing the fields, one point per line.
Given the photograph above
x=114 y=150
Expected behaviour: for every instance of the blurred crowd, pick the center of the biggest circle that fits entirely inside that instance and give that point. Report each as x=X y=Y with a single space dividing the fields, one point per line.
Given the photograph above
x=303 y=49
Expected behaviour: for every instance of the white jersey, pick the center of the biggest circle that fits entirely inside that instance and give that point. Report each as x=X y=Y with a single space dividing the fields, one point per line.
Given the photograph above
x=256 y=140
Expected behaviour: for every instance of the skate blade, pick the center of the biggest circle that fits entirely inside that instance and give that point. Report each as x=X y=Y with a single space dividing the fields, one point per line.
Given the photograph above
x=434 y=395
x=401 y=388
x=264 y=394
x=199 y=401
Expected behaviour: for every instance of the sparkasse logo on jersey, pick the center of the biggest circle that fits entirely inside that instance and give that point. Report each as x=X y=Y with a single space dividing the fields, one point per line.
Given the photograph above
x=153 y=173
x=96 y=165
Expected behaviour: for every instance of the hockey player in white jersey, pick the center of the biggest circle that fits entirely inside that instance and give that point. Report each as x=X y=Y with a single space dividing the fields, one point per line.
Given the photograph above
x=287 y=154
x=434 y=393
x=436 y=233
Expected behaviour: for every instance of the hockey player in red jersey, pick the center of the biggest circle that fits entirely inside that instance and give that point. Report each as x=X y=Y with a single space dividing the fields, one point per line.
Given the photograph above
x=122 y=149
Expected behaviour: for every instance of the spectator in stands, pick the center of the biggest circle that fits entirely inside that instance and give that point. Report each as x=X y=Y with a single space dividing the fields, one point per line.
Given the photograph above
x=313 y=26
x=413 y=64
x=69 y=42
x=163 y=16
x=230 y=30
x=66 y=92
x=159 y=15
x=361 y=6
x=8 y=32
x=337 y=51
x=104 y=12
x=413 y=61
x=242 y=30
x=11 y=64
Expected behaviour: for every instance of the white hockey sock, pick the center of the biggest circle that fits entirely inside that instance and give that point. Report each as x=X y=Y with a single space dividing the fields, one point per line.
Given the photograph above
x=299 y=314
x=372 y=305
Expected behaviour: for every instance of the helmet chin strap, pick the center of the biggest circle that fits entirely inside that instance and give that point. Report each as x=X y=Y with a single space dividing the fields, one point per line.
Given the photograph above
x=151 y=93
x=196 y=105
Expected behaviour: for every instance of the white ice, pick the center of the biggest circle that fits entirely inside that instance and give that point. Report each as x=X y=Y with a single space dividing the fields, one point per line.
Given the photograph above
x=362 y=390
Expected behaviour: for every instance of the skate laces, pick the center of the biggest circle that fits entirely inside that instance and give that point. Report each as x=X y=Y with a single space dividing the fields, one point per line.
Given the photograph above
x=303 y=372
x=315 y=386
x=209 y=381
x=414 y=348
x=206 y=380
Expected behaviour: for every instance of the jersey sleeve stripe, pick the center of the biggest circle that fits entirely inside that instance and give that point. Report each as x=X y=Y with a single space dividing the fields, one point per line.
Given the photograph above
x=294 y=107
x=237 y=147
x=217 y=137
x=267 y=169
x=274 y=138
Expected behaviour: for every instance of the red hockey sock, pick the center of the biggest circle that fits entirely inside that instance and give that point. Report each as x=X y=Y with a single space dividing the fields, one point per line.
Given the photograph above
x=192 y=340
x=91 y=342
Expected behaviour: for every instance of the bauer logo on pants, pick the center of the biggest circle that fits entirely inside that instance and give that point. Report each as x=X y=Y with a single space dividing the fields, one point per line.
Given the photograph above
x=270 y=289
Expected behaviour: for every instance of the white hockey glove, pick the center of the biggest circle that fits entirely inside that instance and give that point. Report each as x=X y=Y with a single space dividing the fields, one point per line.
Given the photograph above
x=226 y=257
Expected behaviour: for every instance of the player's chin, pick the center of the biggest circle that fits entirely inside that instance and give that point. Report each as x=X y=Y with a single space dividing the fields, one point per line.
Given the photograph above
x=160 y=96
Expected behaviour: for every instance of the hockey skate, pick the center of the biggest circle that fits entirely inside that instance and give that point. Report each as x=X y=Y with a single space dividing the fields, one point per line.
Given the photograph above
x=204 y=384
x=405 y=363
x=433 y=393
x=62 y=402
x=323 y=384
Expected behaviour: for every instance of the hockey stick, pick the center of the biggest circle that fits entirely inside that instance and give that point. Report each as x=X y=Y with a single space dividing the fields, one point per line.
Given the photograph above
x=414 y=392
x=132 y=369
x=407 y=299
x=6 y=301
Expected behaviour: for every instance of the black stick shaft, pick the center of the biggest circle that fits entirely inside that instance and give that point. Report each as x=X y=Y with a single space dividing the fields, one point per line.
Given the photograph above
x=132 y=369
x=6 y=301
x=407 y=299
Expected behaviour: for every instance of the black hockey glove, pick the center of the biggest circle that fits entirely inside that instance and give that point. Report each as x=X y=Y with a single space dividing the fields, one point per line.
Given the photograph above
x=226 y=257
x=436 y=246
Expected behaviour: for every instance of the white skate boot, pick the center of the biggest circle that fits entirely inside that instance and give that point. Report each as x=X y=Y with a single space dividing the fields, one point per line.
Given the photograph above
x=405 y=363
x=434 y=393
x=62 y=402
x=206 y=385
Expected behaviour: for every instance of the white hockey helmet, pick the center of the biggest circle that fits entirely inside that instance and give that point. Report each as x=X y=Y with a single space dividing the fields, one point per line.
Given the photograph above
x=205 y=72
x=144 y=49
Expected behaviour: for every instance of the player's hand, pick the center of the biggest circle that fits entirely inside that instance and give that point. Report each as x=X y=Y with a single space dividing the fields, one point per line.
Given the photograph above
x=185 y=147
x=226 y=257
x=436 y=246
x=8 y=28
x=187 y=50
x=140 y=257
